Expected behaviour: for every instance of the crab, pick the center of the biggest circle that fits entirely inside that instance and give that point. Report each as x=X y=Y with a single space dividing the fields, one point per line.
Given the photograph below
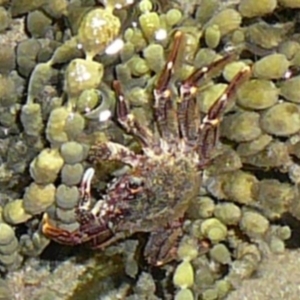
x=153 y=195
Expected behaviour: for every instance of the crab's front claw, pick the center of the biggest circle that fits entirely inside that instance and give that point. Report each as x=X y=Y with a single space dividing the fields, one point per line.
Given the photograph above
x=59 y=235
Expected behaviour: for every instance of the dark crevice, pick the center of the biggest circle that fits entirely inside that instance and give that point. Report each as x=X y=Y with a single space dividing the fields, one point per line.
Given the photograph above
x=261 y=174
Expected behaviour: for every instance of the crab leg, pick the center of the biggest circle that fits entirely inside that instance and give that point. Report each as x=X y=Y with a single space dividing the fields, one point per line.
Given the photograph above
x=160 y=247
x=62 y=236
x=188 y=114
x=84 y=210
x=90 y=231
x=165 y=112
x=128 y=121
x=85 y=189
x=209 y=127
x=110 y=151
x=86 y=213
x=90 y=218
x=82 y=214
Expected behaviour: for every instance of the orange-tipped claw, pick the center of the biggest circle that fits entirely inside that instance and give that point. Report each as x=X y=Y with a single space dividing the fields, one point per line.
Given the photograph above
x=59 y=235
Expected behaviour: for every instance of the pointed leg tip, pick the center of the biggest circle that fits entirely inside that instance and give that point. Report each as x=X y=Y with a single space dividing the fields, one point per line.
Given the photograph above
x=116 y=85
x=178 y=34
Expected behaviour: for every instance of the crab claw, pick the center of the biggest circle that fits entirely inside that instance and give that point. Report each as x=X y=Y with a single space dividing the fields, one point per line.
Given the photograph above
x=85 y=189
x=61 y=236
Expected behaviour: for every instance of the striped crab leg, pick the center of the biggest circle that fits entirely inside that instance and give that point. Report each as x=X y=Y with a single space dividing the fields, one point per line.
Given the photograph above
x=127 y=119
x=209 y=128
x=164 y=108
x=188 y=113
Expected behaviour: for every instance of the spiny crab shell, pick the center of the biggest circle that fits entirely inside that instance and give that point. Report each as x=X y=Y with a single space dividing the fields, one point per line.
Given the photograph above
x=154 y=194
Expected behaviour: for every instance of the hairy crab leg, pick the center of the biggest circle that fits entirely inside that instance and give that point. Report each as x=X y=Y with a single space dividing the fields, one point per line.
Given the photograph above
x=164 y=108
x=188 y=114
x=110 y=151
x=128 y=121
x=158 y=250
x=209 y=127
